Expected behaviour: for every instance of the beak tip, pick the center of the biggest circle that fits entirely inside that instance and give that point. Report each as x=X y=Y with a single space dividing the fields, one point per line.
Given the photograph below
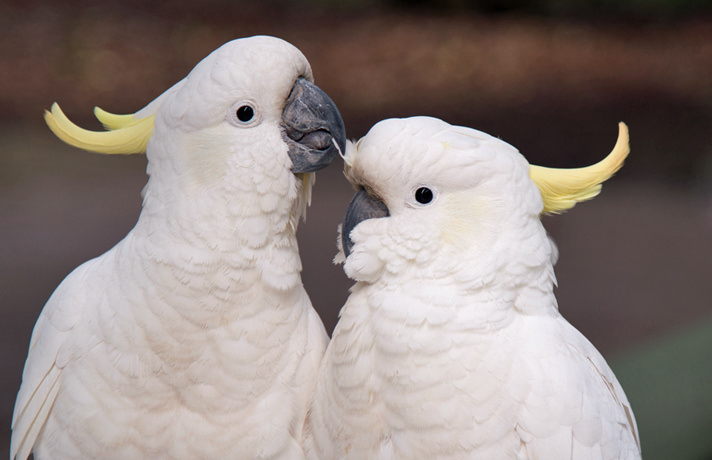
x=363 y=206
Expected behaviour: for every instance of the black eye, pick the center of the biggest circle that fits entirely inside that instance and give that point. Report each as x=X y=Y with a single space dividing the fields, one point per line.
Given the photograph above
x=245 y=113
x=423 y=195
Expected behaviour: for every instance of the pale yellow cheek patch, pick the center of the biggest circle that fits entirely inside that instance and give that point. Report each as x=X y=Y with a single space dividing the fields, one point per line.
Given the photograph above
x=206 y=155
x=467 y=218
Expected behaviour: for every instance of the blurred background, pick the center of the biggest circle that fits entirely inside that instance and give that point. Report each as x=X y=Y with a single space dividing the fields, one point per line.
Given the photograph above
x=551 y=77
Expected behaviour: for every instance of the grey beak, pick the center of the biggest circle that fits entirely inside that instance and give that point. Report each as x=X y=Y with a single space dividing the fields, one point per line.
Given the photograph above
x=363 y=206
x=313 y=127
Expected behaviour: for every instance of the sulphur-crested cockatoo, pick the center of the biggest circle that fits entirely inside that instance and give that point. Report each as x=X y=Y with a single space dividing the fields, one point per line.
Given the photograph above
x=450 y=345
x=192 y=338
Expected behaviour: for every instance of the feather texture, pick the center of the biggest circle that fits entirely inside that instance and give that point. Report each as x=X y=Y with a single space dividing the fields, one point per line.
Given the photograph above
x=451 y=345
x=192 y=338
x=561 y=189
x=123 y=137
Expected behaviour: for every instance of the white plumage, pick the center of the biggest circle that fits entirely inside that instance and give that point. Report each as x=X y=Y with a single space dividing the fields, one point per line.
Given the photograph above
x=192 y=338
x=451 y=345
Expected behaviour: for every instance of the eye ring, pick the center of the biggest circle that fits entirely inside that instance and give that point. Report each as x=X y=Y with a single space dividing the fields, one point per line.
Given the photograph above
x=424 y=195
x=244 y=114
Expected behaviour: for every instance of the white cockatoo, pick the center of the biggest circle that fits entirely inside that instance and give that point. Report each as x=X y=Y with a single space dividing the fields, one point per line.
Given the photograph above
x=193 y=337
x=451 y=345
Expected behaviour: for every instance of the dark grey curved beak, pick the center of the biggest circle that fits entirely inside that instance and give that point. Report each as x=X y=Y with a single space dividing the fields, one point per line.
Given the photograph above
x=313 y=128
x=363 y=206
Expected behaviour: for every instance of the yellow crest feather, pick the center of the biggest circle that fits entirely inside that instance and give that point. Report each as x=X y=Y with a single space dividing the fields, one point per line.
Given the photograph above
x=126 y=134
x=561 y=189
x=112 y=121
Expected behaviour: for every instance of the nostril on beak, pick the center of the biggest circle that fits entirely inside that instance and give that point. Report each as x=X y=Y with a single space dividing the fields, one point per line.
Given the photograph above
x=318 y=140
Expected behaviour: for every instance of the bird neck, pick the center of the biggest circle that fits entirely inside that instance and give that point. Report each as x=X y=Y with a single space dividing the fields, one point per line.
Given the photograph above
x=516 y=271
x=482 y=298
x=513 y=271
x=244 y=231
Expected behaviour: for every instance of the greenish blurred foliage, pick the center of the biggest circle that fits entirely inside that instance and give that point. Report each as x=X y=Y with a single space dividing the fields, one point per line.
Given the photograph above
x=668 y=384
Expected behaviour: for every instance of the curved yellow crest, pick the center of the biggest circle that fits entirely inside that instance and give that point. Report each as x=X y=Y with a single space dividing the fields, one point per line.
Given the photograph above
x=112 y=121
x=126 y=134
x=561 y=189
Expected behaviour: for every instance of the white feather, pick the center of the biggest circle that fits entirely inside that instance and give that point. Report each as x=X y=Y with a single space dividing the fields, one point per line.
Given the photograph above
x=451 y=345
x=193 y=337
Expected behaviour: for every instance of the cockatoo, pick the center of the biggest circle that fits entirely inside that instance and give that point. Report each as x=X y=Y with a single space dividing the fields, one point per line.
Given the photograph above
x=451 y=345
x=193 y=337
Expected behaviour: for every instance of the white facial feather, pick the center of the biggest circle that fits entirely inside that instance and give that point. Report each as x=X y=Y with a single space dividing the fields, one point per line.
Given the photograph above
x=261 y=70
x=450 y=344
x=482 y=196
x=193 y=337
x=205 y=162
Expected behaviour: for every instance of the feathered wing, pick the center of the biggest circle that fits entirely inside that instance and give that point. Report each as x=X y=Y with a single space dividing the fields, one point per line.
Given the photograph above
x=616 y=392
x=40 y=378
x=46 y=357
x=580 y=410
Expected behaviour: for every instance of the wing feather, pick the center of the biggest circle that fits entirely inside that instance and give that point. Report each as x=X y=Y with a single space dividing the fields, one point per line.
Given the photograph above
x=583 y=412
x=42 y=373
x=33 y=418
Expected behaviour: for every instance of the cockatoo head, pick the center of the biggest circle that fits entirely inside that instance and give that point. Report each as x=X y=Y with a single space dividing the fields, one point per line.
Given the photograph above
x=431 y=195
x=247 y=113
x=255 y=94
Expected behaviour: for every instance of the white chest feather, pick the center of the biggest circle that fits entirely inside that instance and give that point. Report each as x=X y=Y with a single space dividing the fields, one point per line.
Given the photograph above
x=183 y=359
x=418 y=378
